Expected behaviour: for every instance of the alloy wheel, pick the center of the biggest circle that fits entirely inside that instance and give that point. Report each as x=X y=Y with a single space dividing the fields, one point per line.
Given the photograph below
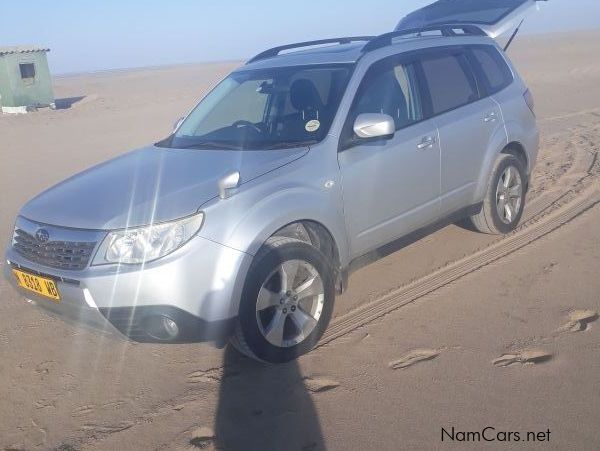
x=509 y=195
x=290 y=303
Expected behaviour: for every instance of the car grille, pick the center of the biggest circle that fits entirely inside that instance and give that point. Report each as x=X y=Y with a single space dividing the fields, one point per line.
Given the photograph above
x=69 y=255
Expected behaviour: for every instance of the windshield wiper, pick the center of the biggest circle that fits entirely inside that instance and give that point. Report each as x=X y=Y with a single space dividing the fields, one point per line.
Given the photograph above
x=225 y=146
x=211 y=145
x=289 y=145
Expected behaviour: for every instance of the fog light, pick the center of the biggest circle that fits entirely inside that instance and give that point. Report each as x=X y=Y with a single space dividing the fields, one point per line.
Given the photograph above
x=161 y=328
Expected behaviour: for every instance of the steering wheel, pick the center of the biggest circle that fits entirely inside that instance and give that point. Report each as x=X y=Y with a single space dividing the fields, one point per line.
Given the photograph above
x=243 y=123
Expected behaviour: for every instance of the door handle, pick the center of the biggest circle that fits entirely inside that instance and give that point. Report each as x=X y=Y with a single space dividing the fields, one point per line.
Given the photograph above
x=426 y=143
x=490 y=117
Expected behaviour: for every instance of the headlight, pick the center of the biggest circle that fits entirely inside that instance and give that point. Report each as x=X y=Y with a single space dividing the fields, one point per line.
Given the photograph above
x=145 y=244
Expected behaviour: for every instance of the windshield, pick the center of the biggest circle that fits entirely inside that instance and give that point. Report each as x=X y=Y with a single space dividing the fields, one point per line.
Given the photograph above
x=265 y=109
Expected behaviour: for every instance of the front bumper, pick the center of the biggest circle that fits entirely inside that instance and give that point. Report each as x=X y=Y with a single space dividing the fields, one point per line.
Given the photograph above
x=198 y=287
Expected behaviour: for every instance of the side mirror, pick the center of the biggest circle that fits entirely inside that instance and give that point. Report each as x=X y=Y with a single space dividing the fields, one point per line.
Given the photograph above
x=177 y=124
x=374 y=125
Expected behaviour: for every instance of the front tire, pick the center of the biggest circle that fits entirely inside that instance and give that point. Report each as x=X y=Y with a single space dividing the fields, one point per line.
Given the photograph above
x=505 y=197
x=286 y=303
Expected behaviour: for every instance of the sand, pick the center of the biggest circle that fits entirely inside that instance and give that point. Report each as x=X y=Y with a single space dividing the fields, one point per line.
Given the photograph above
x=459 y=330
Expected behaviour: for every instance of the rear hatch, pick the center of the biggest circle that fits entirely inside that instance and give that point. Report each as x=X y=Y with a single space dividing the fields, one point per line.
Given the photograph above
x=494 y=17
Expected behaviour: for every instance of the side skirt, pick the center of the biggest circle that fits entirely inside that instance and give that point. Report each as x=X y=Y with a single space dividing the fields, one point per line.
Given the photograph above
x=407 y=240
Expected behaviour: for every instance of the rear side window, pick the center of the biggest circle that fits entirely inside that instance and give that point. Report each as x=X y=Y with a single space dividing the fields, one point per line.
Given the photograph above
x=450 y=80
x=495 y=73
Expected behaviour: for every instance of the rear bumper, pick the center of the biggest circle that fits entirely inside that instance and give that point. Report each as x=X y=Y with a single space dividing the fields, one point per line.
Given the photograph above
x=198 y=287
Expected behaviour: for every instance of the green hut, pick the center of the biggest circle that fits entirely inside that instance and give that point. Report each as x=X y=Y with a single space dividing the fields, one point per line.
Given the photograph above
x=25 y=80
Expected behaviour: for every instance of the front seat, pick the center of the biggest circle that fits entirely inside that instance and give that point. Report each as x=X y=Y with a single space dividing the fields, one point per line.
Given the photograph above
x=305 y=98
x=307 y=102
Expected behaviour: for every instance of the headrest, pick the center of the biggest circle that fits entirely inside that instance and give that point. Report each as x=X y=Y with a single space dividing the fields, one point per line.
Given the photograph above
x=305 y=96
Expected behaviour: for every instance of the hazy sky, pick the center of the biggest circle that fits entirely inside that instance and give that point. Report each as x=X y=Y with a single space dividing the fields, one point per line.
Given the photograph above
x=95 y=35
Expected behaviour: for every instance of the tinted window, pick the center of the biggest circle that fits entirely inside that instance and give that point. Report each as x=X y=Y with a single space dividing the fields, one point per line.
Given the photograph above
x=494 y=70
x=390 y=88
x=450 y=80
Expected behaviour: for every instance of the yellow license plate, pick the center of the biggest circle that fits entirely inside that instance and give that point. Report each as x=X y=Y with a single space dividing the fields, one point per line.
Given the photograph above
x=38 y=285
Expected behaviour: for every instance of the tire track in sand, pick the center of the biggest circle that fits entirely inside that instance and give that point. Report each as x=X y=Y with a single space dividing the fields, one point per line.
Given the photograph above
x=410 y=293
x=550 y=214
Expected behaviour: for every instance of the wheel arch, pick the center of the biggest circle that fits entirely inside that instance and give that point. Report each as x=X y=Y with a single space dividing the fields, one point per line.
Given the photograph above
x=517 y=149
x=318 y=235
x=313 y=209
x=499 y=147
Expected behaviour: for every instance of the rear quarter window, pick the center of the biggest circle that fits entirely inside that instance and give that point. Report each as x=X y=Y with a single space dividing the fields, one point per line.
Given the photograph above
x=450 y=80
x=492 y=69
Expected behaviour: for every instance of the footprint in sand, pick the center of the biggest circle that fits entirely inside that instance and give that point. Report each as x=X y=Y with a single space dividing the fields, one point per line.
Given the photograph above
x=211 y=376
x=579 y=320
x=531 y=356
x=202 y=437
x=45 y=367
x=108 y=429
x=83 y=410
x=318 y=385
x=414 y=357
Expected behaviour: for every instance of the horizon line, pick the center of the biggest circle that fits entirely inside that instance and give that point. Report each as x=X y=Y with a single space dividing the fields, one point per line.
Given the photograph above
x=242 y=60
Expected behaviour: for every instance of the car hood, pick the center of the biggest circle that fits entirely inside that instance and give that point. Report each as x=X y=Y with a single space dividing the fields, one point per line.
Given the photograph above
x=149 y=185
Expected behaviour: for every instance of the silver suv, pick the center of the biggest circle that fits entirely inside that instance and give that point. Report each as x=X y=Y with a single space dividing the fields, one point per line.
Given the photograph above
x=246 y=221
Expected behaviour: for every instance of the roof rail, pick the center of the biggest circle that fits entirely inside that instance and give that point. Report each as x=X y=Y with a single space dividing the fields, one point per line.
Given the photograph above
x=446 y=30
x=277 y=50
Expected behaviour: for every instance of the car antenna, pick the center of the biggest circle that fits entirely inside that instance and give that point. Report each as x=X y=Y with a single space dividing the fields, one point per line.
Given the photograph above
x=514 y=35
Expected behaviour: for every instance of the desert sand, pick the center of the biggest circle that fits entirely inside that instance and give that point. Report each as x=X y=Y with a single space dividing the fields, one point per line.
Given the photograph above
x=460 y=330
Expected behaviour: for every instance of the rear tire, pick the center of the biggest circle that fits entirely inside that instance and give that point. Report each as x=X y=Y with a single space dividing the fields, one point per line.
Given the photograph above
x=299 y=301
x=505 y=198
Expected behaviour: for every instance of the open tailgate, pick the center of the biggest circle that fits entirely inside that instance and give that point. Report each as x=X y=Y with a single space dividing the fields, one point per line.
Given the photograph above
x=494 y=17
